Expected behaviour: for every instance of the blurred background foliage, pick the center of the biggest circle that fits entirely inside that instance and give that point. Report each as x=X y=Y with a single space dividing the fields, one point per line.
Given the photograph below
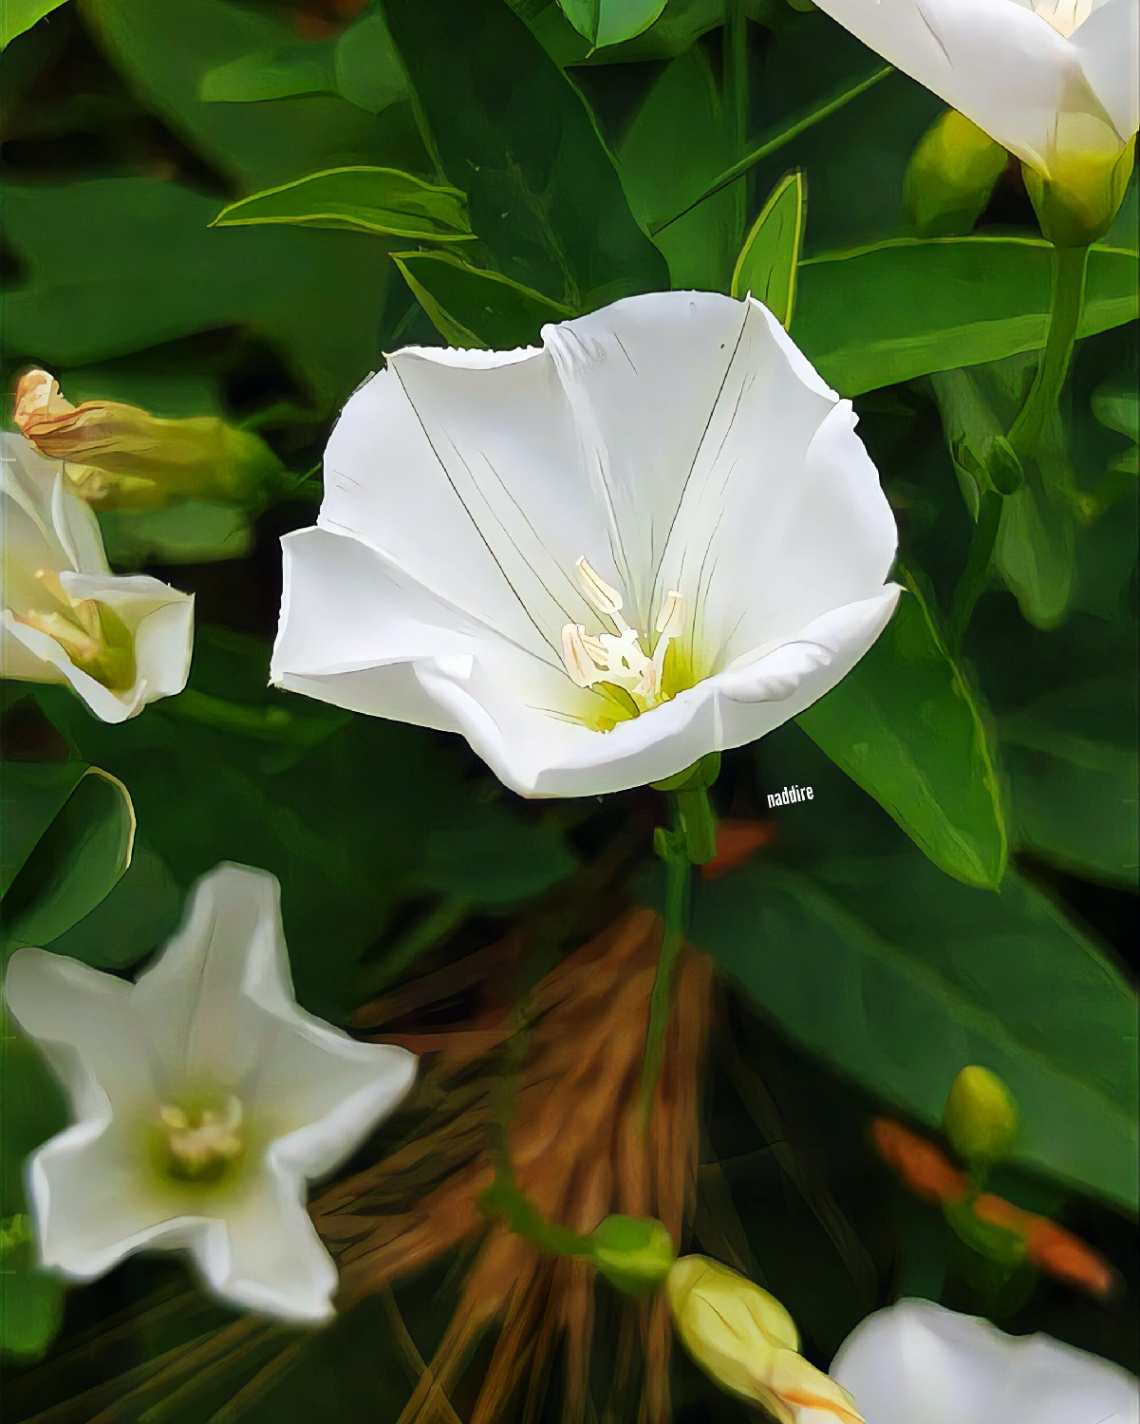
x=234 y=208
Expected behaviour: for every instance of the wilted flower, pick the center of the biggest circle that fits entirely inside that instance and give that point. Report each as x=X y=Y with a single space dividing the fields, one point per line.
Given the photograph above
x=119 y=641
x=655 y=536
x=119 y=456
x=918 y=1363
x=204 y=1099
x=1053 y=81
x=744 y=1339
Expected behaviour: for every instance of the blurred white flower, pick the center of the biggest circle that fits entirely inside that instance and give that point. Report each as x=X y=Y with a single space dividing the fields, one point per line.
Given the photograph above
x=655 y=536
x=918 y=1363
x=204 y=1100
x=119 y=641
x=1054 y=81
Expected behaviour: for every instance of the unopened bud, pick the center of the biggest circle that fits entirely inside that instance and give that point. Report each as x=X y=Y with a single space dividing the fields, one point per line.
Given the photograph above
x=1078 y=199
x=980 y=1116
x=744 y=1340
x=951 y=175
x=119 y=456
x=1002 y=465
x=633 y=1253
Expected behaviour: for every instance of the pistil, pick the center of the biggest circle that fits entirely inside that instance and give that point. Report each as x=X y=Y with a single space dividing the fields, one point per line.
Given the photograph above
x=201 y=1144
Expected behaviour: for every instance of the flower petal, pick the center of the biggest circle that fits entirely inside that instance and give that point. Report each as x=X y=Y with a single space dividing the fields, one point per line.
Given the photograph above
x=465 y=475
x=537 y=754
x=1001 y=64
x=1110 y=57
x=918 y=1363
x=648 y=378
x=265 y=1254
x=784 y=517
x=84 y=1022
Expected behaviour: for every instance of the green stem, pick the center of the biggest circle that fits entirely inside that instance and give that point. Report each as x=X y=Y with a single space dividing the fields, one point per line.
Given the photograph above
x=736 y=102
x=776 y=141
x=973 y=579
x=1069 y=267
x=672 y=847
x=439 y=922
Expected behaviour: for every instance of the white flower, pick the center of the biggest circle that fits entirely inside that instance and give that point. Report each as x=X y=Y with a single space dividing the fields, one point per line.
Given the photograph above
x=1054 y=81
x=918 y=1363
x=119 y=641
x=653 y=537
x=204 y=1099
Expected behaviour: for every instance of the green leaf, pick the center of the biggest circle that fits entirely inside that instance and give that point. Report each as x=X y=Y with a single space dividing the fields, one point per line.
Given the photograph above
x=900 y=977
x=609 y=22
x=31 y=1301
x=115 y=265
x=1074 y=770
x=361 y=65
x=490 y=857
x=379 y=200
x=769 y=260
x=907 y=307
x=136 y=918
x=676 y=145
x=33 y=795
x=906 y=726
x=165 y=53
x=76 y=862
x=16 y=16
x=515 y=134
x=469 y=307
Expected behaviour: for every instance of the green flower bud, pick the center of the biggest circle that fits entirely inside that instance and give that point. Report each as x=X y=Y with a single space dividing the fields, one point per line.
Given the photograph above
x=980 y=1116
x=951 y=175
x=1077 y=201
x=119 y=456
x=1002 y=465
x=633 y=1253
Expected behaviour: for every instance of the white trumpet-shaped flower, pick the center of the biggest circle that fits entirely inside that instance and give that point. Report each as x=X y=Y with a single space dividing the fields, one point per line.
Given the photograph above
x=655 y=536
x=204 y=1098
x=918 y=1363
x=119 y=641
x=1054 y=81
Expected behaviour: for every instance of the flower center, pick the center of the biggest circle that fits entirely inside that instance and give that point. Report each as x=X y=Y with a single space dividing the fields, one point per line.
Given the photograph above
x=1064 y=15
x=92 y=635
x=632 y=669
x=200 y=1143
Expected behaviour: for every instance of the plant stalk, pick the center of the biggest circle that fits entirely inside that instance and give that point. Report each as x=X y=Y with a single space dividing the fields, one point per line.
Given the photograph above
x=1070 y=265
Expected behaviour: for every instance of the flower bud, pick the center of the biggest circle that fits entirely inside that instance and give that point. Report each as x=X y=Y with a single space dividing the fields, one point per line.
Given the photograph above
x=980 y=1116
x=951 y=175
x=633 y=1253
x=1078 y=199
x=117 y=456
x=746 y=1341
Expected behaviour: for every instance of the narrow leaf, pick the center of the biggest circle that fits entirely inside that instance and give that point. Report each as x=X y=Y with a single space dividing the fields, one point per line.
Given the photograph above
x=769 y=259
x=362 y=199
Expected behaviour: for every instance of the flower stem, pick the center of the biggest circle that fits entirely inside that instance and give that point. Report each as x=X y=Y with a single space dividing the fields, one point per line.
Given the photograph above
x=973 y=579
x=1069 y=267
x=736 y=102
x=674 y=848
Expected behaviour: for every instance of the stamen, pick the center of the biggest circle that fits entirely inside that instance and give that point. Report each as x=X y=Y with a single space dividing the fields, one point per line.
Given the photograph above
x=617 y=663
x=600 y=595
x=201 y=1145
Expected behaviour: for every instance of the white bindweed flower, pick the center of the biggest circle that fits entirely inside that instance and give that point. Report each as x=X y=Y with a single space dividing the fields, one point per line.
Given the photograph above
x=119 y=641
x=204 y=1099
x=918 y=1363
x=1053 y=81
x=655 y=536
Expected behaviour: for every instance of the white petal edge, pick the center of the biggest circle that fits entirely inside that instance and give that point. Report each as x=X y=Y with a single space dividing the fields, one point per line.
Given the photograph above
x=919 y=1363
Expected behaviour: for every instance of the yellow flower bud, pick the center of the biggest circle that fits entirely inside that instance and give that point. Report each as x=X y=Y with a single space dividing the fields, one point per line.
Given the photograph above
x=951 y=175
x=980 y=1116
x=1078 y=199
x=744 y=1339
x=118 y=456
